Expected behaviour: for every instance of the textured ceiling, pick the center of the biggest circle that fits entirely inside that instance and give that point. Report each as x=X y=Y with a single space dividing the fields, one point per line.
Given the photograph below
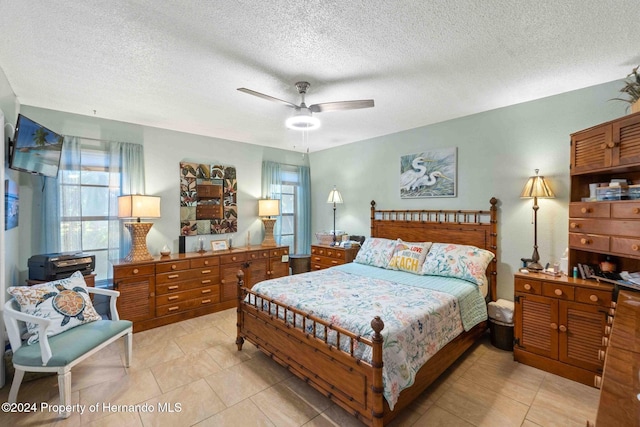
x=177 y=64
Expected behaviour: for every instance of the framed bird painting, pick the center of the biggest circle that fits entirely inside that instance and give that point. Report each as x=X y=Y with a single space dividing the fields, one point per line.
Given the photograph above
x=432 y=173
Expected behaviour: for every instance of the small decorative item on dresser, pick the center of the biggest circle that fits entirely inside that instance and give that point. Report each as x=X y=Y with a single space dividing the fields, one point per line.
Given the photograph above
x=165 y=251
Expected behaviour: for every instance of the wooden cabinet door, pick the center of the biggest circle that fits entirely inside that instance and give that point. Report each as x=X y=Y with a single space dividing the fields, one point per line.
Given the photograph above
x=581 y=327
x=137 y=299
x=257 y=271
x=229 y=281
x=626 y=138
x=278 y=268
x=590 y=149
x=536 y=324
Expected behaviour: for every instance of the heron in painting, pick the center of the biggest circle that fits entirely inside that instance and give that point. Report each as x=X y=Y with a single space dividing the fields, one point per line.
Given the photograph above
x=427 y=180
x=409 y=177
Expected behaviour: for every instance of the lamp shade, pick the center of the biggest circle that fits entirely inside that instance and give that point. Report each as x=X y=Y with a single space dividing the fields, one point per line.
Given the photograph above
x=268 y=207
x=536 y=186
x=334 y=196
x=138 y=206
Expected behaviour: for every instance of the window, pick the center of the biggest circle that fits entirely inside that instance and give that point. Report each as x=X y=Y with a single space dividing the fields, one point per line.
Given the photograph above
x=288 y=203
x=86 y=195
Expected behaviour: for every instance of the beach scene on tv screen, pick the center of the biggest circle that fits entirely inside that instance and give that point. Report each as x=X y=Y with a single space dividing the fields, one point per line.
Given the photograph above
x=36 y=149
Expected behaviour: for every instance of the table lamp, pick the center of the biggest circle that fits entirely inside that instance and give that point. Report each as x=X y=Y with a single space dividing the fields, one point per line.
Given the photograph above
x=334 y=197
x=536 y=187
x=266 y=209
x=138 y=206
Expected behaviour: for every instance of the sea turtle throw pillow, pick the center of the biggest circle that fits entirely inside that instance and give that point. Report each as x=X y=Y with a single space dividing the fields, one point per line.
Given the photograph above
x=66 y=302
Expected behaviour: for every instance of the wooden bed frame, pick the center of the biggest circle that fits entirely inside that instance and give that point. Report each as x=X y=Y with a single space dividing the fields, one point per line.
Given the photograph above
x=350 y=382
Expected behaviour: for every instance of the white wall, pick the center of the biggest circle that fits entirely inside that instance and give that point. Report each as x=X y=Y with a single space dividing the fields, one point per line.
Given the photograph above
x=497 y=151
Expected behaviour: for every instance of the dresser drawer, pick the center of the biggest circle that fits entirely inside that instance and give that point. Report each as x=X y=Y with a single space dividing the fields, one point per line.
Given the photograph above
x=626 y=246
x=589 y=242
x=318 y=250
x=180 y=275
x=231 y=258
x=184 y=285
x=625 y=210
x=275 y=253
x=593 y=296
x=205 y=262
x=258 y=255
x=134 y=270
x=185 y=305
x=590 y=210
x=335 y=253
x=557 y=290
x=172 y=298
x=164 y=267
x=528 y=286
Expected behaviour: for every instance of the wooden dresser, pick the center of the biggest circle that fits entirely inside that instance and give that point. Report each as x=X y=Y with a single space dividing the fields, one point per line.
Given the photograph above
x=620 y=382
x=323 y=256
x=182 y=286
x=559 y=322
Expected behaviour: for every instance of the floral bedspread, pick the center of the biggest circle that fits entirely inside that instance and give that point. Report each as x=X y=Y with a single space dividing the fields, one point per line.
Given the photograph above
x=418 y=321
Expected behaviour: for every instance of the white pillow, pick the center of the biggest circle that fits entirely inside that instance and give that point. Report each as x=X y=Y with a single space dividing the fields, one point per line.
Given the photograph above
x=66 y=302
x=464 y=262
x=376 y=251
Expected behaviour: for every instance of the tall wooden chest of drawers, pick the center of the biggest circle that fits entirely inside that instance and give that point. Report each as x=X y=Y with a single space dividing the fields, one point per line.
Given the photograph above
x=323 y=256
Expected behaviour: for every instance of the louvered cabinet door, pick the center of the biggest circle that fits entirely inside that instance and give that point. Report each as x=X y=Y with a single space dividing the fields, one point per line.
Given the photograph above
x=536 y=325
x=626 y=140
x=591 y=149
x=580 y=329
x=137 y=298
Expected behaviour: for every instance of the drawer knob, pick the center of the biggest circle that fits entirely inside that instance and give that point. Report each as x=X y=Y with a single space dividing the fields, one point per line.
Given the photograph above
x=174 y=297
x=554 y=326
x=205 y=271
x=233 y=258
x=585 y=241
x=173 y=308
x=563 y=328
x=136 y=271
x=574 y=225
x=171 y=288
x=593 y=298
x=173 y=276
x=205 y=291
x=603 y=145
x=636 y=210
x=634 y=247
x=222 y=281
x=585 y=210
x=527 y=286
x=611 y=144
x=173 y=266
x=205 y=301
x=558 y=292
x=206 y=263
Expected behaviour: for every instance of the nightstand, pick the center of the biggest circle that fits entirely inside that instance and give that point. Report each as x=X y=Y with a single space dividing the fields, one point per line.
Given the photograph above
x=323 y=256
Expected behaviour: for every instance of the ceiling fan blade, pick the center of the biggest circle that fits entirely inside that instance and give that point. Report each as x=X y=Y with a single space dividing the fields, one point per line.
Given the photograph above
x=341 y=105
x=267 y=97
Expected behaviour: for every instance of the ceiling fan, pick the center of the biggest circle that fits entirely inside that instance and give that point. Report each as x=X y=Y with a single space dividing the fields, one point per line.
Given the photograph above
x=303 y=118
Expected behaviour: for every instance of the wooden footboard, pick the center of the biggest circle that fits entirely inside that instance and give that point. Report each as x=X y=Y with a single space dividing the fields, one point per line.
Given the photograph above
x=336 y=372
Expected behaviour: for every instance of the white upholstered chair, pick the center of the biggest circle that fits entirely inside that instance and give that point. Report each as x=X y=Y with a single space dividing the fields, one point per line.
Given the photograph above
x=60 y=353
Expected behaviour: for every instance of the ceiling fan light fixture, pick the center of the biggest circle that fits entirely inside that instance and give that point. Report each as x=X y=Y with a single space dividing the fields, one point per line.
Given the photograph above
x=302 y=120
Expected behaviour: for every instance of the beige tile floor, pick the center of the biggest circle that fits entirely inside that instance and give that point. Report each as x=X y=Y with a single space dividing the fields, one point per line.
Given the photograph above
x=194 y=369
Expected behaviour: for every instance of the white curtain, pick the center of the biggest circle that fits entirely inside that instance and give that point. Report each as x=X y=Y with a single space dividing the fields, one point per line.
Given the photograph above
x=125 y=165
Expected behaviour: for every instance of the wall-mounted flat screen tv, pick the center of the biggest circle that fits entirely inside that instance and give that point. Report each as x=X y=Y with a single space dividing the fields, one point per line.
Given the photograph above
x=36 y=149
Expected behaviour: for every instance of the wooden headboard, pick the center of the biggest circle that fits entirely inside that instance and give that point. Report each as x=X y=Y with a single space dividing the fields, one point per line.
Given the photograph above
x=464 y=227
